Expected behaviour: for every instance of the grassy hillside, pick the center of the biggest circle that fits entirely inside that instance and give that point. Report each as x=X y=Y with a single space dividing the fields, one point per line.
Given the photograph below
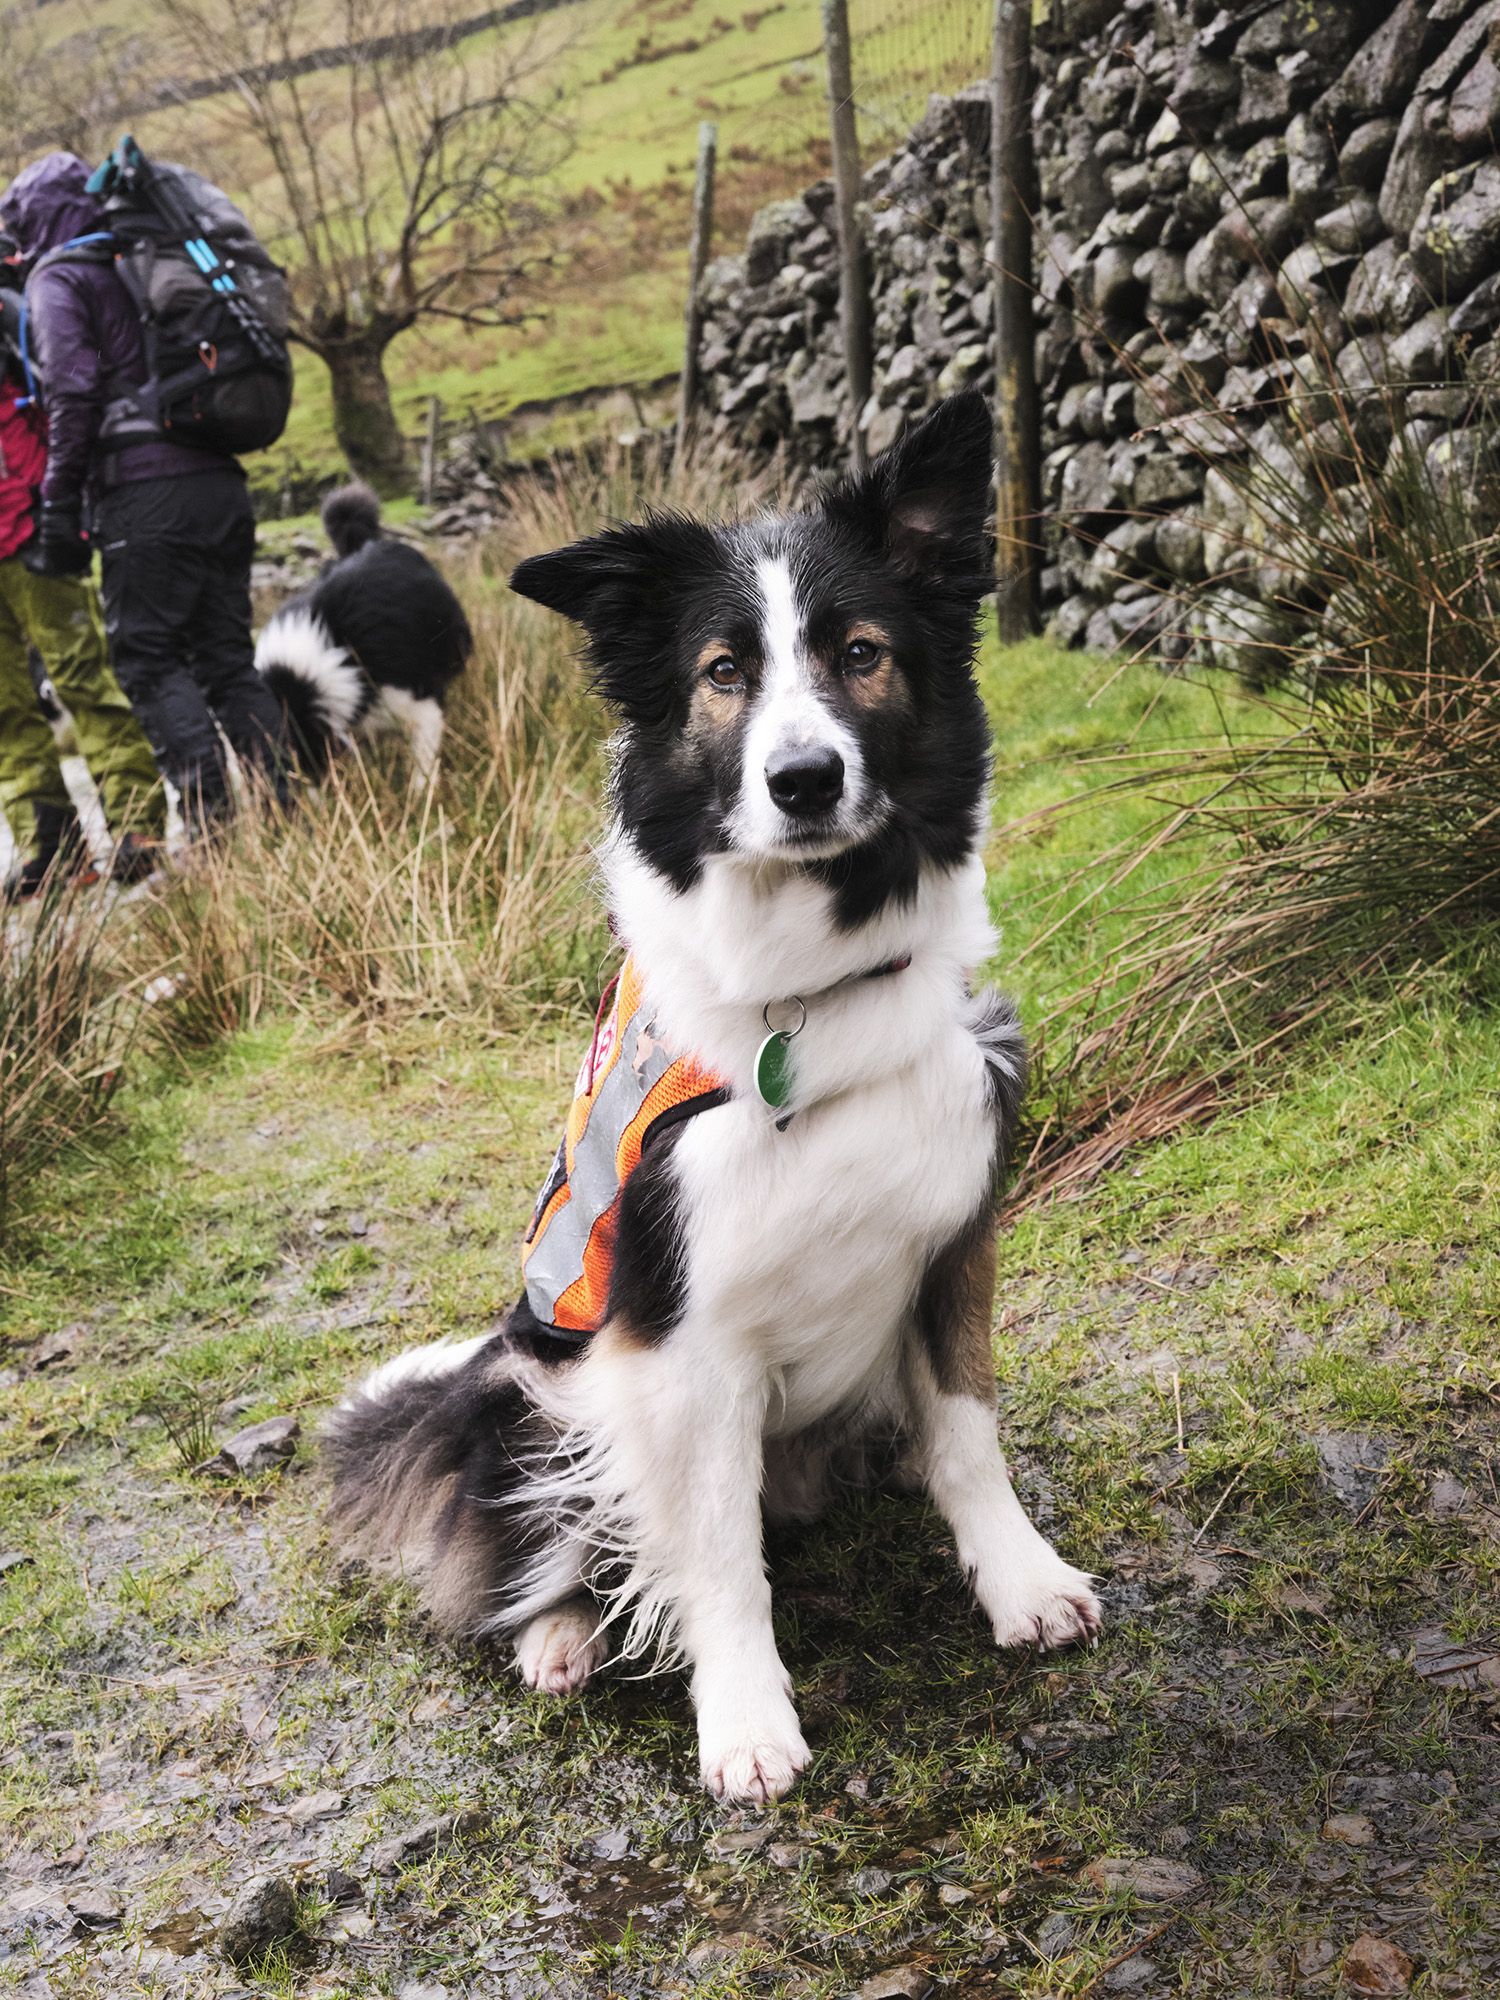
x=1250 y=1379
x=635 y=80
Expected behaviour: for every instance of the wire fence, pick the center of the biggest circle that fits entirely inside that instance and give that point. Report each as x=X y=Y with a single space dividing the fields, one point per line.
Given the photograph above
x=904 y=50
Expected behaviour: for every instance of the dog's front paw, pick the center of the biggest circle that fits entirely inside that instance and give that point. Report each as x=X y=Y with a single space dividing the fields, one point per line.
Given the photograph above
x=753 y=1760
x=1044 y=1602
x=561 y=1648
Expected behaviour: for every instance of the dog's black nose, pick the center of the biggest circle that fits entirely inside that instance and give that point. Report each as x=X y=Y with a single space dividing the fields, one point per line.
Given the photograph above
x=806 y=781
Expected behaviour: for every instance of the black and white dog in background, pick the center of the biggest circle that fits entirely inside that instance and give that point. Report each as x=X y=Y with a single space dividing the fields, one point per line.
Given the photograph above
x=799 y=806
x=375 y=643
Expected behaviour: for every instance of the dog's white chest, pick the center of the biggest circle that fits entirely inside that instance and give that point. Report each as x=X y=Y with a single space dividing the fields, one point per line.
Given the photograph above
x=806 y=1246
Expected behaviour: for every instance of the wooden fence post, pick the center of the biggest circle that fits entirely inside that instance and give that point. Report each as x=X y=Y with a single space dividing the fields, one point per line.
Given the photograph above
x=703 y=226
x=1017 y=417
x=854 y=261
x=430 y=448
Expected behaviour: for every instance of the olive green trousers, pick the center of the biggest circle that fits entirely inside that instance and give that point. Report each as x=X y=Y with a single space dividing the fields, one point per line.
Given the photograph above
x=59 y=615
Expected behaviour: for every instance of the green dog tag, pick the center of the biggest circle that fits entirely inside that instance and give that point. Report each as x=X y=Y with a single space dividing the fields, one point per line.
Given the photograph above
x=773 y=1070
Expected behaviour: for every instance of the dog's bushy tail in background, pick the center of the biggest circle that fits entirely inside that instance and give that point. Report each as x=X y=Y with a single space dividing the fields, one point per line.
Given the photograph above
x=320 y=688
x=431 y=1458
x=351 y=517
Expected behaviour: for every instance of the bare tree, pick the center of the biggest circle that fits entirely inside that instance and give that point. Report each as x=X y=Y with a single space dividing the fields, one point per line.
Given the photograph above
x=401 y=172
x=63 y=93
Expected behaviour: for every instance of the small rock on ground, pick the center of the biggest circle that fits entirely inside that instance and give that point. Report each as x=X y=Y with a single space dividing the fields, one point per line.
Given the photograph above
x=1354 y=1829
x=1150 y=1876
x=899 y=1982
x=258 y=1447
x=263 y=1914
x=1376 y=1965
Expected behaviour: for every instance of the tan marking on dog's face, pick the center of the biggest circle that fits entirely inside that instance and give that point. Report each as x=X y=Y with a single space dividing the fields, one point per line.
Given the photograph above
x=713 y=707
x=873 y=685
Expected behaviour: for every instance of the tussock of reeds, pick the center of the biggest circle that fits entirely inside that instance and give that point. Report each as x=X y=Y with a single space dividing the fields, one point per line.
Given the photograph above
x=1351 y=837
x=66 y=1014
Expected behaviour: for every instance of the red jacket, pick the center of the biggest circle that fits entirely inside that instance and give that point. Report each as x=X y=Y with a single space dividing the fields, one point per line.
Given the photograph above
x=23 y=460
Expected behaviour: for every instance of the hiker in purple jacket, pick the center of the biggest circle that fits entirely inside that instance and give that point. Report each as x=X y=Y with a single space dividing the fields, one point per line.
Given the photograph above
x=172 y=523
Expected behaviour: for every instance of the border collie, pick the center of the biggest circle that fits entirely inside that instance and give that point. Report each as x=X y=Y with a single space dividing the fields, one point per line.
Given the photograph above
x=786 y=1268
x=376 y=642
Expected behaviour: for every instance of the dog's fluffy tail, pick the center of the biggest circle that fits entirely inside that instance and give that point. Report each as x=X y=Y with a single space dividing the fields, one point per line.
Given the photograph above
x=321 y=689
x=431 y=1457
x=351 y=517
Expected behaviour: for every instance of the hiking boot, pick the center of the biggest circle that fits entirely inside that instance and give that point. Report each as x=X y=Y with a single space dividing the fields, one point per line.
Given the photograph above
x=136 y=859
x=62 y=855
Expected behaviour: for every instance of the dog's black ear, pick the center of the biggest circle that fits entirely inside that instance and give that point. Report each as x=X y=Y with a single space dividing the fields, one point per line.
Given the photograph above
x=925 y=503
x=600 y=581
x=624 y=587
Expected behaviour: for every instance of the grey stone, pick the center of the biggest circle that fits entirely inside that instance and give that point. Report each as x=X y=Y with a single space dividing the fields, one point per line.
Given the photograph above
x=258 y=1447
x=899 y=1982
x=817 y=396
x=1363 y=155
x=1127 y=624
x=1474 y=107
x=95 y=1909
x=1213 y=266
x=1380 y=75
x=1204 y=85
x=1363 y=367
x=1465 y=466
x=1480 y=311
x=1130 y=1975
x=882 y=430
x=1164 y=482
x=1455 y=240
x=1259 y=231
x=772 y=232
x=1350 y=228
x=1422 y=151
x=904 y=366
x=1179 y=548
x=1421 y=353
x=1087 y=482
x=261 y=1916
x=871 y=1881
x=1112 y=287
x=1162 y=273
x=1310 y=272
x=1265 y=101
x=966 y=365
x=1311 y=175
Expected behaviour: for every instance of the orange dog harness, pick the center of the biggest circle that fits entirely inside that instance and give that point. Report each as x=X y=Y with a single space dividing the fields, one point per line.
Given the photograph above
x=629 y=1090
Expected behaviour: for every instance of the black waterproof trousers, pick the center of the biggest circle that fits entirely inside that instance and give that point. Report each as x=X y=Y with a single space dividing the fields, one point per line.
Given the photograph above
x=176 y=558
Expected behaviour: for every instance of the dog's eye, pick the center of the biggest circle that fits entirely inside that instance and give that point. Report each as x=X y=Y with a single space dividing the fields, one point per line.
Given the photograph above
x=723 y=673
x=861 y=656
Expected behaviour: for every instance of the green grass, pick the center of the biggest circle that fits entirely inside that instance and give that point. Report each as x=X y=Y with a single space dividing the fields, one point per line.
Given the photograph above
x=611 y=314
x=1179 y=1354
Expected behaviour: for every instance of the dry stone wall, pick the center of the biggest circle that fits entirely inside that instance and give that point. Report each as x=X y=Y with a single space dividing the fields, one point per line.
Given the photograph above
x=1239 y=205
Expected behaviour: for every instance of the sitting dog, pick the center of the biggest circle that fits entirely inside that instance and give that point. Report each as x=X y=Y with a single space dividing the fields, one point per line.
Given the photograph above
x=766 y=1246
x=376 y=642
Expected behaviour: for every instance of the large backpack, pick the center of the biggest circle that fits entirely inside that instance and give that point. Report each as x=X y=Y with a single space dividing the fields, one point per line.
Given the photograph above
x=214 y=308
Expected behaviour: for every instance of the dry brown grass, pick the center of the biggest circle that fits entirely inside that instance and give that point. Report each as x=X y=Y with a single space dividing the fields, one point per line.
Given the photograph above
x=375 y=904
x=67 y=1009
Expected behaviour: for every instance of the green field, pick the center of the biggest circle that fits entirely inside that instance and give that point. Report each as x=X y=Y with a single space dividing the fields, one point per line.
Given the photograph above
x=1250 y=1378
x=634 y=81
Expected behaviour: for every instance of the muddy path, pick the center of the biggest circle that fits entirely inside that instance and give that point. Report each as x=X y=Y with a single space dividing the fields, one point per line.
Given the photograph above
x=1276 y=1775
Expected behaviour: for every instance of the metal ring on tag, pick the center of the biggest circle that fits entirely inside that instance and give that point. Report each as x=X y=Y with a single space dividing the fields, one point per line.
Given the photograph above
x=765 y=1015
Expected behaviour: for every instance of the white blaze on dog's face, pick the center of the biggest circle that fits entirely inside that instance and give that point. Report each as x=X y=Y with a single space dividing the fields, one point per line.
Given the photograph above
x=804 y=789
x=799 y=688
